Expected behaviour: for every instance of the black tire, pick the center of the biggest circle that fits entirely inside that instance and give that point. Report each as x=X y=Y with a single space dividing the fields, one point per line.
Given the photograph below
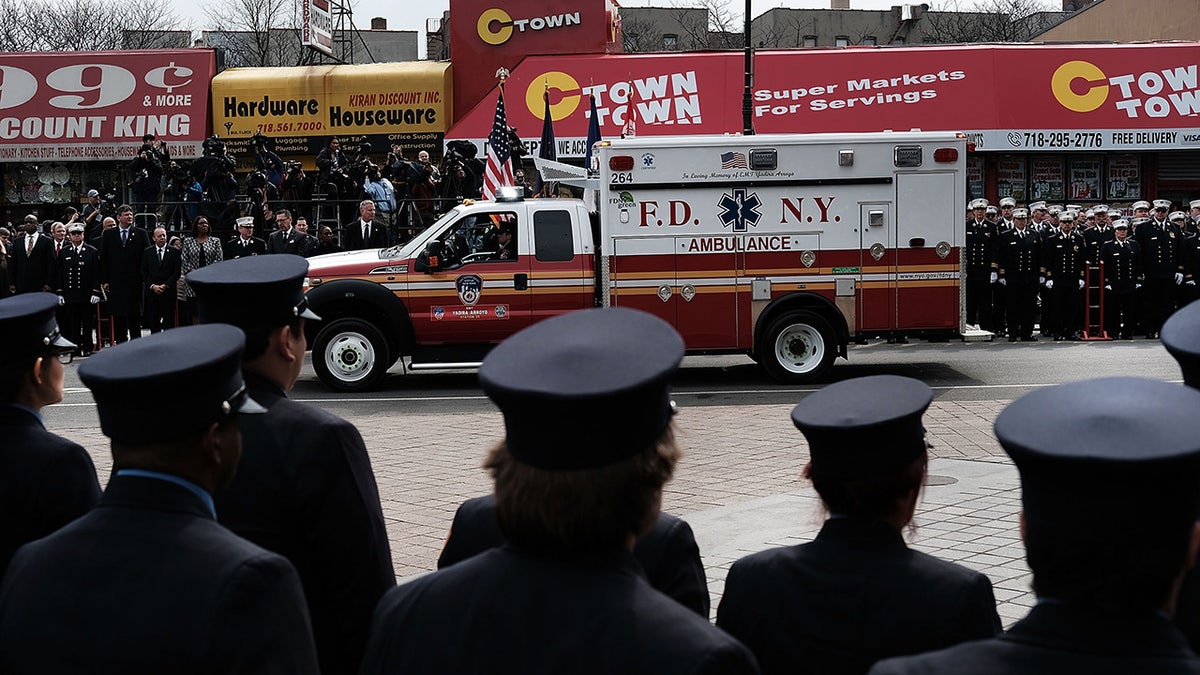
x=798 y=347
x=350 y=355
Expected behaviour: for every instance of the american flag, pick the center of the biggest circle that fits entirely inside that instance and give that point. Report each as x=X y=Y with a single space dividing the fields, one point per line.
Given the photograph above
x=499 y=171
x=733 y=160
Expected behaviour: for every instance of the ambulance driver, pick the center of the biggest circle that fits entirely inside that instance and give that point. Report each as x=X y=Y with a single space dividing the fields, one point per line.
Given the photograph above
x=857 y=593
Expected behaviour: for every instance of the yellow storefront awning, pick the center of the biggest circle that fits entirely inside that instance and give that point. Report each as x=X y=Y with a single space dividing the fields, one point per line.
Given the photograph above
x=334 y=100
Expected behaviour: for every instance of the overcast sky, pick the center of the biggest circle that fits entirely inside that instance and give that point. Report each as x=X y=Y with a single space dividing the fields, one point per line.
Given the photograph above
x=412 y=14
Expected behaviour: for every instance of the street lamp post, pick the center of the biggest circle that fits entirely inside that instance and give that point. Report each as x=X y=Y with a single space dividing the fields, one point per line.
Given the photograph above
x=747 y=99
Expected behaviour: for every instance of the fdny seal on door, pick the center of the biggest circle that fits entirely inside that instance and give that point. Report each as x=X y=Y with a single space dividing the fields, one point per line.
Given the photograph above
x=469 y=286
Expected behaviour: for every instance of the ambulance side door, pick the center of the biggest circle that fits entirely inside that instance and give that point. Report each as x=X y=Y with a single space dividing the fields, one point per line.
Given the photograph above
x=480 y=296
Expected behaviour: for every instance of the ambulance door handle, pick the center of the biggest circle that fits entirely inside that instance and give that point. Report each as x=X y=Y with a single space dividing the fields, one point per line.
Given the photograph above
x=521 y=281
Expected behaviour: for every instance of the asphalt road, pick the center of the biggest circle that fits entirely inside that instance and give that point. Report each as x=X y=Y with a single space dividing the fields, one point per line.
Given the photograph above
x=956 y=372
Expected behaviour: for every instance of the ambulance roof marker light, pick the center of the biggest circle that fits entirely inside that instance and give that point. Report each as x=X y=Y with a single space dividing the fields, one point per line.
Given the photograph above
x=945 y=155
x=508 y=193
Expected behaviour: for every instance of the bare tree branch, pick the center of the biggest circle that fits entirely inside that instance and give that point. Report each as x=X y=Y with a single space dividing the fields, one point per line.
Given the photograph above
x=79 y=25
x=984 y=21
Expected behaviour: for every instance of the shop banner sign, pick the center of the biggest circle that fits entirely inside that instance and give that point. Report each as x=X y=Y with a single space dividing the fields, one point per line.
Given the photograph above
x=1124 y=177
x=1048 y=179
x=1005 y=98
x=90 y=106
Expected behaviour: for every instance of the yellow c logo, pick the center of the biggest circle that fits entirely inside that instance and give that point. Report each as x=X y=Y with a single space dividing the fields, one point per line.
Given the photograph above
x=484 y=26
x=1067 y=73
x=557 y=81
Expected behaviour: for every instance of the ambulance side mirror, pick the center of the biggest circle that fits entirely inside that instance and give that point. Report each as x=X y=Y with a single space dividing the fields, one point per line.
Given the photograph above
x=433 y=257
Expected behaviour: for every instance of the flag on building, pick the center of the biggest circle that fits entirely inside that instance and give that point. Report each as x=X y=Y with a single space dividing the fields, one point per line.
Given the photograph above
x=547 y=150
x=499 y=170
x=593 y=137
x=630 y=129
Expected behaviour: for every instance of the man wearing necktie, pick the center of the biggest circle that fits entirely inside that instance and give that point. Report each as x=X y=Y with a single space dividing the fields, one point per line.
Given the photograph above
x=245 y=243
x=365 y=233
x=121 y=249
x=160 y=270
x=1122 y=277
x=32 y=259
x=1021 y=272
x=78 y=275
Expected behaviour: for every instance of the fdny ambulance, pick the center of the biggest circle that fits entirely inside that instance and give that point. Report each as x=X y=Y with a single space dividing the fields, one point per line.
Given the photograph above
x=782 y=247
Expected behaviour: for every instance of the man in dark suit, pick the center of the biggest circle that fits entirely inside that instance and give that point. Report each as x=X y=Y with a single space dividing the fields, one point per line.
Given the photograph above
x=121 y=251
x=160 y=273
x=668 y=553
x=245 y=244
x=308 y=242
x=79 y=287
x=1021 y=273
x=45 y=481
x=572 y=594
x=857 y=593
x=285 y=239
x=365 y=233
x=305 y=488
x=32 y=266
x=1110 y=470
x=148 y=581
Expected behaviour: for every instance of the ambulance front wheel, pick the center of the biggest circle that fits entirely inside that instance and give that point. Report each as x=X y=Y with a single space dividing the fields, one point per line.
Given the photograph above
x=798 y=347
x=350 y=355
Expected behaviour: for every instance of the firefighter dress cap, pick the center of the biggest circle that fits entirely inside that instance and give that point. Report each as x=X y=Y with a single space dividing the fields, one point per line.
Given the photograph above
x=1067 y=216
x=1054 y=209
x=1194 y=204
x=1114 y=213
x=262 y=291
x=1096 y=472
x=1100 y=207
x=245 y=221
x=197 y=368
x=978 y=204
x=1020 y=213
x=1008 y=203
x=991 y=210
x=1141 y=220
x=1181 y=336
x=584 y=389
x=864 y=427
x=1120 y=224
x=1177 y=216
x=93 y=193
x=28 y=327
x=1141 y=205
x=1037 y=206
x=1162 y=204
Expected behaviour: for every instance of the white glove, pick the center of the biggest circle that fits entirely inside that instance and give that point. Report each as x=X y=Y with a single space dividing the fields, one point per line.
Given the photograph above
x=61 y=301
x=95 y=300
x=1107 y=287
x=1190 y=283
x=1081 y=284
x=1041 y=280
x=1049 y=285
x=992 y=279
x=1004 y=282
x=1136 y=286
x=1178 y=278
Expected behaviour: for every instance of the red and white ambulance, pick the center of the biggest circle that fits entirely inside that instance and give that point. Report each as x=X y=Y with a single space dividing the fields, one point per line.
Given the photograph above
x=782 y=247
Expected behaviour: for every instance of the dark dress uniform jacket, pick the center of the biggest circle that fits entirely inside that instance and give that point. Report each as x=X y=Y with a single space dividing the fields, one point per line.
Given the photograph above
x=1162 y=249
x=148 y=582
x=668 y=553
x=1122 y=264
x=286 y=242
x=46 y=481
x=304 y=489
x=78 y=276
x=1056 y=638
x=854 y=595
x=235 y=248
x=513 y=611
x=122 y=269
x=981 y=250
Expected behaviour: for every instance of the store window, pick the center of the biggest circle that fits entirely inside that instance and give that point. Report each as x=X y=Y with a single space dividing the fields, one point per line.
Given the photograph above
x=869 y=40
x=809 y=41
x=670 y=42
x=1084 y=179
x=975 y=184
x=1011 y=177
x=841 y=41
x=1046 y=181
x=1124 y=178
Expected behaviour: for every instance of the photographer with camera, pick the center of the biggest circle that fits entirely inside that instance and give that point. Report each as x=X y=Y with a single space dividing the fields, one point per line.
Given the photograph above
x=426 y=180
x=214 y=172
x=145 y=182
x=174 y=194
x=380 y=190
x=265 y=159
x=93 y=214
x=264 y=197
x=332 y=178
x=400 y=172
x=296 y=190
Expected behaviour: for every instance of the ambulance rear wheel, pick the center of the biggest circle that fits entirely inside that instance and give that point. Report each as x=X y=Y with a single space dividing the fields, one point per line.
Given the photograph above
x=798 y=347
x=350 y=355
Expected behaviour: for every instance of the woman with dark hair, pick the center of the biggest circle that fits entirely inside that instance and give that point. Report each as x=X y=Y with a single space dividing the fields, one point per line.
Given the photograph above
x=857 y=593
x=198 y=250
